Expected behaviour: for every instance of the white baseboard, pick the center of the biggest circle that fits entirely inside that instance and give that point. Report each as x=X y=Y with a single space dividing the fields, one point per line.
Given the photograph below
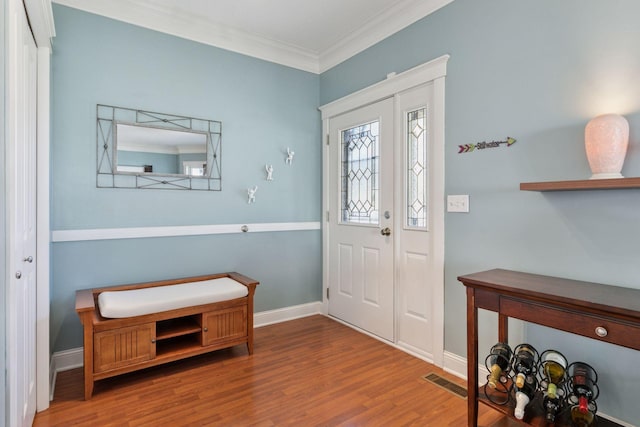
x=270 y=317
x=67 y=359
x=615 y=420
x=457 y=365
x=63 y=361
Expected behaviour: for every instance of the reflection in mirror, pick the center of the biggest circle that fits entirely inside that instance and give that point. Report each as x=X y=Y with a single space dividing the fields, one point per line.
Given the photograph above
x=144 y=149
x=161 y=151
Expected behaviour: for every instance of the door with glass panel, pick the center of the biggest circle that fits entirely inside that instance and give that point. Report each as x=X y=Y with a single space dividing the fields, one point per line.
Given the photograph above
x=383 y=266
x=360 y=265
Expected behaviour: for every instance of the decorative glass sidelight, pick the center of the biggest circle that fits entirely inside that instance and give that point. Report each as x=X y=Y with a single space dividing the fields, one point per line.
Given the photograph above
x=417 y=174
x=360 y=191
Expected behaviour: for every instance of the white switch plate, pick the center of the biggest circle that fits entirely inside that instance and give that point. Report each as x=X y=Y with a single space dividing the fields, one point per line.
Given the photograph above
x=458 y=203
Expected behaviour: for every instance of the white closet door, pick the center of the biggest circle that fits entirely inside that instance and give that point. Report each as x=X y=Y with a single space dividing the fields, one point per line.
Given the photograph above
x=21 y=212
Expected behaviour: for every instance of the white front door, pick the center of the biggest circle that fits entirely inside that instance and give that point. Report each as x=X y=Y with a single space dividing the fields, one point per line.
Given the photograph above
x=361 y=218
x=21 y=213
x=391 y=286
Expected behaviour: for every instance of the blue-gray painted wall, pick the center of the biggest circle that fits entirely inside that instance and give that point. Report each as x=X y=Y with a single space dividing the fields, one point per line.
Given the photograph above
x=264 y=108
x=536 y=71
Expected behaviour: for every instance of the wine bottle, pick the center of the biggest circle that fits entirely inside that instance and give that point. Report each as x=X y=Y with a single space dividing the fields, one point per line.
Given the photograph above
x=583 y=379
x=553 y=365
x=497 y=362
x=525 y=360
x=552 y=374
x=551 y=407
x=579 y=418
x=584 y=391
x=524 y=395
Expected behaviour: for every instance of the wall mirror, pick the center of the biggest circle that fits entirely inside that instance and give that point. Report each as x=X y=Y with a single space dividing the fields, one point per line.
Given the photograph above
x=146 y=149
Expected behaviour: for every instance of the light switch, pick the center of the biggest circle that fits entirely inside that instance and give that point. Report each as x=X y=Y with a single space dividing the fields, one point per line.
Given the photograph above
x=458 y=203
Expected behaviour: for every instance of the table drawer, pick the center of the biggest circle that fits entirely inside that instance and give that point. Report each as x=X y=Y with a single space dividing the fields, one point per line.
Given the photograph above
x=600 y=328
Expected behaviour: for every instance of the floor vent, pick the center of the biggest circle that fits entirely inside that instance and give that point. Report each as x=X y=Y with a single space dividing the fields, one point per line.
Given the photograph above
x=446 y=384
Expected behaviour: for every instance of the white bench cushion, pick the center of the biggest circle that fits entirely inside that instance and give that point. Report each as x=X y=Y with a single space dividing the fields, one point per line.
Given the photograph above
x=137 y=302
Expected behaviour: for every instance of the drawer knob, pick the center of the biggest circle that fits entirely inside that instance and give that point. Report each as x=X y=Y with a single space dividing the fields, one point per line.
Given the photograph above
x=601 y=331
x=153 y=341
x=206 y=329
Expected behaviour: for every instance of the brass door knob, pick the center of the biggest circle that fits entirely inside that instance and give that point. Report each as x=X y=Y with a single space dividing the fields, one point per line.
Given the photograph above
x=385 y=231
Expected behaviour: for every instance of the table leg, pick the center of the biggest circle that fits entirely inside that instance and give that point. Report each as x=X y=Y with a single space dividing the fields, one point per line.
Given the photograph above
x=472 y=358
x=503 y=328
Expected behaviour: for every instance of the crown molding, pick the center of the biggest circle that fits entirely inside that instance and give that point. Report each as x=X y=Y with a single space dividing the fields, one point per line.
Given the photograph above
x=379 y=28
x=41 y=19
x=198 y=29
x=145 y=14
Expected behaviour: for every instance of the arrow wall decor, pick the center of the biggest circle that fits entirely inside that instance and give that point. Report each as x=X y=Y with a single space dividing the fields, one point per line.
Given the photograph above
x=467 y=148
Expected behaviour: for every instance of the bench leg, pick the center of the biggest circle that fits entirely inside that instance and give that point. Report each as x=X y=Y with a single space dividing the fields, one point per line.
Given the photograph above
x=88 y=386
x=87 y=319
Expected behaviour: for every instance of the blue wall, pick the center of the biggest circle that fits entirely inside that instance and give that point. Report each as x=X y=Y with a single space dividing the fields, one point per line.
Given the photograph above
x=536 y=71
x=264 y=108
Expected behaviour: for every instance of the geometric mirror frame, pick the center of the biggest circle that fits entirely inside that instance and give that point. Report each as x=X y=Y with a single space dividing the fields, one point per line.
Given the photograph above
x=151 y=150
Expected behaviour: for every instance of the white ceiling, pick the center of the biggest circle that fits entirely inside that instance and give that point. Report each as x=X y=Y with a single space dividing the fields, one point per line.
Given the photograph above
x=312 y=35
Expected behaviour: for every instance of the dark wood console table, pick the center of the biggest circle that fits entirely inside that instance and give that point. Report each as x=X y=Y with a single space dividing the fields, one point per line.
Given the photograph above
x=605 y=313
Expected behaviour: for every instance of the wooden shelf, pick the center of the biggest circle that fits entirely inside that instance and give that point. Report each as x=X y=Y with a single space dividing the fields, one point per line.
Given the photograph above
x=178 y=346
x=176 y=327
x=583 y=184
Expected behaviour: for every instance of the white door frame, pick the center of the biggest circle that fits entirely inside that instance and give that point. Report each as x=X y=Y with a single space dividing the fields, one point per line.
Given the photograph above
x=40 y=15
x=43 y=239
x=432 y=71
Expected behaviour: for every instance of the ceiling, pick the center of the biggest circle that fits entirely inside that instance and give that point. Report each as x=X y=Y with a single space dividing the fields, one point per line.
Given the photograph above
x=309 y=35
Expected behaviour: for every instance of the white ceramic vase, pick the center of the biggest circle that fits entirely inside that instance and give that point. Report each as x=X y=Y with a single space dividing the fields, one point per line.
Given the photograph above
x=606 y=139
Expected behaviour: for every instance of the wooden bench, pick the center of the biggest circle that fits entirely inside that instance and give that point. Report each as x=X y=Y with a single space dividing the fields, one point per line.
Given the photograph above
x=114 y=346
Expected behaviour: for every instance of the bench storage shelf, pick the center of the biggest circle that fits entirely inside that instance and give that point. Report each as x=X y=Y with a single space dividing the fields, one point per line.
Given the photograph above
x=114 y=346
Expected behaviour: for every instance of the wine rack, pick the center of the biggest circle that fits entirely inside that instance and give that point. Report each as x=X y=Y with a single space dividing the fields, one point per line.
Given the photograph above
x=606 y=313
x=534 y=414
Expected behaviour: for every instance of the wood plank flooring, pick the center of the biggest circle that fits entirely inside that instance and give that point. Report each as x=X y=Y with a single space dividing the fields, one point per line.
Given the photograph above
x=307 y=372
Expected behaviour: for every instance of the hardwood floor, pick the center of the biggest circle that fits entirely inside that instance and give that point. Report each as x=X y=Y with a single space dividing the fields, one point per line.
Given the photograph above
x=306 y=372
